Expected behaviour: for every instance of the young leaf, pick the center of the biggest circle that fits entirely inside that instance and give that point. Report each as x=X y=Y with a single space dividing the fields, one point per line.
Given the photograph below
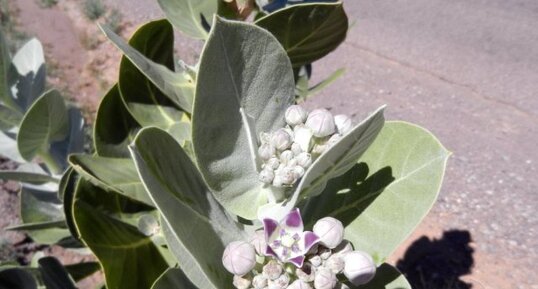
x=417 y=162
x=192 y=17
x=175 y=85
x=242 y=67
x=196 y=227
x=54 y=274
x=307 y=31
x=114 y=127
x=45 y=122
x=29 y=177
x=146 y=103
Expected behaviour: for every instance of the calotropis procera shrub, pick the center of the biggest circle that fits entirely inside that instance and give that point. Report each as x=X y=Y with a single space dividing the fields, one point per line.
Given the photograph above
x=194 y=196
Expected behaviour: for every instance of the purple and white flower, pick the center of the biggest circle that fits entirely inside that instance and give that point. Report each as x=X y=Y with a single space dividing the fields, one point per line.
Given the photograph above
x=286 y=239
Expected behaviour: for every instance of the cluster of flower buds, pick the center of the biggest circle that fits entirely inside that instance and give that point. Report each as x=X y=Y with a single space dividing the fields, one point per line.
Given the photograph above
x=269 y=261
x=289 y=151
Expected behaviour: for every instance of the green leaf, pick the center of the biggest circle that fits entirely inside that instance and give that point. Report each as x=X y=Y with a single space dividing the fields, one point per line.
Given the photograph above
x=73 y=143
x=114 y=127
x=17 y=278
x=45 y=122
x=387 y=277
x=30 y=177
x=129 y=258
x=307 y=31
x=8 y=146
x=27 y=75
x=173 y=278
x=40 y=205
x=9 y=118
x=54 y=274
x=37 y=226
x=192 y=17
x=5 y=63
x=146 y=103
x=66 y=192
x=178 y=191
x=242 y=67
x=326 y=82
x=177 y=86
x=417 y=161
x=111 y=174
x=80 y=271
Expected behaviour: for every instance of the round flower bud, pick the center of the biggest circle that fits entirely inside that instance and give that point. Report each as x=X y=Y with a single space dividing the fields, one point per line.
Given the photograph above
x=298 y=171
x=303 y=137
x=282 y=281
x=321 y=122
x=315 y=261
x=306 y=273
x=266 y=176
x=296 y=149
x=266 y=151
x=333 y=139
x=324 y=253
x=295 y=115
x=299 y=284
x=286 y=156
x=319 y=148
x=272 y=163
x=330 y=232
x=265 y=137
x=277 y=181
x=239 y=258
x=335 y=263
x=272 y=270
x=241 y=282
x=325 y=279
x=343 y=123
x=281 y=139
x=259 y=282
x=258 y=241
x=287 y=176
x=359 y=267
x=304 y=160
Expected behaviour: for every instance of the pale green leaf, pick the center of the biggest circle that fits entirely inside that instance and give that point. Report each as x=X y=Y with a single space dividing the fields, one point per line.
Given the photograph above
x=307 y=31
x=47 y=121
x=9 y=118
x=54 y=274
x=173 y=278
x=386 y=277
x=8 y=146
x=192 y=17
x=178 y=191
x=242 y=67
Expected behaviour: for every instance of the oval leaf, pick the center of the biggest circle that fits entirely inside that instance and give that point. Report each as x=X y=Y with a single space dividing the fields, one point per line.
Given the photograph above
x=243 y=68
x=45 y=122
x=308 y=31
x=192 y=17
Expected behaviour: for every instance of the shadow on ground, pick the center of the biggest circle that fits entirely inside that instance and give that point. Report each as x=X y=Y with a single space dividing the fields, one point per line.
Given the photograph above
x=439 y=263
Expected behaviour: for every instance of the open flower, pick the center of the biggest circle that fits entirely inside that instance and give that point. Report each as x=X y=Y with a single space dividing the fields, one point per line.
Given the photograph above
x=286 y=239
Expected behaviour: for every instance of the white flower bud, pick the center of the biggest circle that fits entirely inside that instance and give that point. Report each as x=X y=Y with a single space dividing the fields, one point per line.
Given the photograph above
x=241 y=282
x=304 y=160
x=281 y=139
x=266 y=151
x=335 y=263
x=266 y=176
x=259 y=282
x=287 y=175
x=282 y=281
x=306 y=273
x=296 y=149
x=258 y=241
x=272 y=270
x=272 y=163
x=325 y=279
x=265 y=137
x=239 y=258
x=285 y=157
x=321 y=122
x=295 y=115
x=324 y=253
x=330 y=232
x=359 y=267
x=333 y=139
x=277 y=181
x=315 y=261
x=319 y=148
x=343 y=123
x=299 y=172
x=303 y=137
x=299 y=284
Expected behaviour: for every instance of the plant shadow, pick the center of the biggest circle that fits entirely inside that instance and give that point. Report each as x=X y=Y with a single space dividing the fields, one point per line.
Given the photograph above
x=439 y=263
x=347 y=196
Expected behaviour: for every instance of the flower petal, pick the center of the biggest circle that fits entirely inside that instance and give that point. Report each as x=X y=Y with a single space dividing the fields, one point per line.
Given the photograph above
x=293 y=221
x=310 y=239
x=269 y=227
x=297 y=261
x=269 y=252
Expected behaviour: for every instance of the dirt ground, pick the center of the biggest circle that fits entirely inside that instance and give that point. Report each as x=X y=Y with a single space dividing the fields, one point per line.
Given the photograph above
x=466 y=242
